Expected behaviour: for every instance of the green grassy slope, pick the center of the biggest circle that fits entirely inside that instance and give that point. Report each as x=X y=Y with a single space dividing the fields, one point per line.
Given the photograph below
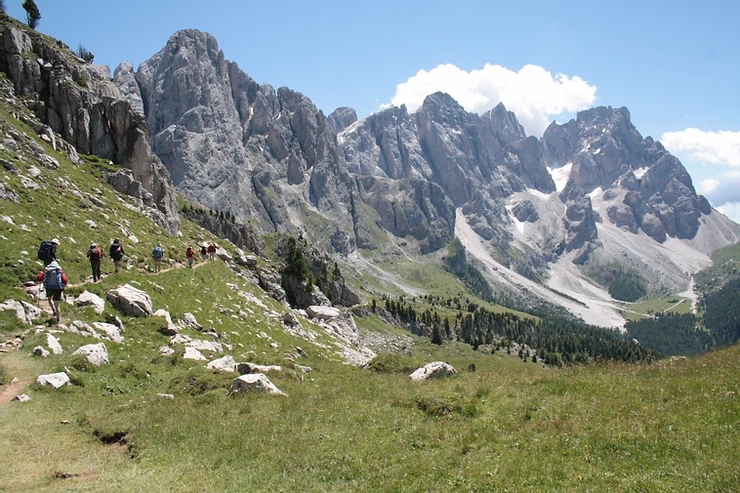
x=499 y=425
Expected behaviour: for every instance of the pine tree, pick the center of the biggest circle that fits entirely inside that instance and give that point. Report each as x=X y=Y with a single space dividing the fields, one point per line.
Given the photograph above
x=32 y=13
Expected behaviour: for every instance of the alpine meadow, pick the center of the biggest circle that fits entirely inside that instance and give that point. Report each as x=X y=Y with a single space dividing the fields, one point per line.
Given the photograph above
x=416 y=301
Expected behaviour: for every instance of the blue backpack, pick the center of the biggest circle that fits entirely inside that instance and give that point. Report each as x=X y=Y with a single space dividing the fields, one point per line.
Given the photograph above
x=157 y=252
x=53 y=279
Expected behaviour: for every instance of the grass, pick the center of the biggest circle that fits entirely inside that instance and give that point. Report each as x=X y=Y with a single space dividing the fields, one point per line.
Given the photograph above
x=646 y=308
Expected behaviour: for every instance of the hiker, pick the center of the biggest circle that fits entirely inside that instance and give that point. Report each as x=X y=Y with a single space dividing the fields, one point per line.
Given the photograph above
x=203 y=252
x=48 y=251
x=190 y=254
x=157 y=254
x=212 y=251
x=95 y=254
x=54 y=281
x=116 y=253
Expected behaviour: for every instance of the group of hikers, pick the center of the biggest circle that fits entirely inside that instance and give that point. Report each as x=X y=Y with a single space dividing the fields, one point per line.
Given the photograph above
x=55 y=280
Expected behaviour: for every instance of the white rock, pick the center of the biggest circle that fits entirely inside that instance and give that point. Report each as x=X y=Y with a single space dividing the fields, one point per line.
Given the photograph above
x=25 y=311
x=166 y=351
x=131 y=301
x=225 y=363
x=436 y=369
x=322 y=312
x=166 y=396
x=56 y=380
x=97 y=354
x=192 y=353
x=223 y=254
x=40 y=351
x=171 y=327
x=112 y=332
x=248 y=368
x=91 y=299
x=188 y=320
x=22 y=398
x=91 y=223
x=255 y=382
x=179 y=339
x=53 y=344
x=201 y=345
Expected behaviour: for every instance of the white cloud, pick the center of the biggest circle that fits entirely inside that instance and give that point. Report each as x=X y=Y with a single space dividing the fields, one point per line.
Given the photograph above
x=532 y=93
x=708 y=147
x=708 y=185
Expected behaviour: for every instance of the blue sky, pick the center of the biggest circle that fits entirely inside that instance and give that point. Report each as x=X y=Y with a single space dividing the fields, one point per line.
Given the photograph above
x=675 y=65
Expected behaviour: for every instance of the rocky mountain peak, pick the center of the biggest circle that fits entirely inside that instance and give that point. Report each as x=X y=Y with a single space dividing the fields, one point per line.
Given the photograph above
x=505 y=123
x=341 y=118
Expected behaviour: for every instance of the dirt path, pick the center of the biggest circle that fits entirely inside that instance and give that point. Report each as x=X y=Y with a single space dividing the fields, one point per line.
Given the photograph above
x=9 y=391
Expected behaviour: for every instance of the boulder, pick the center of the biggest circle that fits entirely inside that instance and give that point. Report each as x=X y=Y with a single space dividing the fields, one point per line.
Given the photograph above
x=97 y=354
x=226 y=363
x=250 y=368
x=223 y=254
x=111 y=331
x=166 y=351
x=201 y=345
x=56 y=380
x=171 y=328
x=131 y=301
x=91 y=299
x=289 y=318
x=188 y=320
x=53 y=344
x=22 y=398
x=25 y=311
x=436 y=369
x=192 y=353
x=322 y=312
x=40 y=351
x=256 y=382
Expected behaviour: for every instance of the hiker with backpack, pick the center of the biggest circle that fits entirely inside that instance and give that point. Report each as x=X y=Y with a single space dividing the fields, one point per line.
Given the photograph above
x=48 y=251
x=157 y=254
x=203 y=252
x=116 y=253
x=190 y=255
x=212 y=251
x=95 y=254
x=54 y=281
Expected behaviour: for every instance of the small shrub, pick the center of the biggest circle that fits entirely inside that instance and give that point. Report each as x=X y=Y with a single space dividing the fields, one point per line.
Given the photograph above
x=84 y=53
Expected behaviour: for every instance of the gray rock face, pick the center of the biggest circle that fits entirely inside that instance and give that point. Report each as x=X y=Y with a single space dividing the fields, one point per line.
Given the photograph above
x=341 y=118
x=238 y=146
x=79 y=102
x=97 y=354
x=606 y=150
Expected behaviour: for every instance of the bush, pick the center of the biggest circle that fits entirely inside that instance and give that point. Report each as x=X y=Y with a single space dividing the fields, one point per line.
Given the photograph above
x=84 y=53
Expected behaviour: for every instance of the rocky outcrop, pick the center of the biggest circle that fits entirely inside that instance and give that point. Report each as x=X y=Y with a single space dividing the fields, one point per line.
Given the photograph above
x=97 y=354
x=341 y=118
x=78 y=101
x=255 y=382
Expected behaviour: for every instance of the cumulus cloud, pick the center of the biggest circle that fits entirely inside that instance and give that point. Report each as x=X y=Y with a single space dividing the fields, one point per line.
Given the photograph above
x=532 y=93
x=708 y=147
x=722 y=191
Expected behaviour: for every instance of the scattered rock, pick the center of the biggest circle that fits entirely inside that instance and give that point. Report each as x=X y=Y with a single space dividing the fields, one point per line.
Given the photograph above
x=322 y=312
x=97 y=354
x=192 y=353
x=436 y=369
x=166 y=351
x=91 y=299
x=56 y=380
x=289 y=318
x=171 y=328
x=25 y=311
x=131 y=301
x=110 y=330
x=40 y=351
x=22 y=398
x=53 y=344
x=189 y=320
x=249 y=368
x=225 y=363
x=166 y=396
x=256 y=382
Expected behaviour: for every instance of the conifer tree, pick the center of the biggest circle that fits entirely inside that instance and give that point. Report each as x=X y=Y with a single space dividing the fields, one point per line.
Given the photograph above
x=32 y=13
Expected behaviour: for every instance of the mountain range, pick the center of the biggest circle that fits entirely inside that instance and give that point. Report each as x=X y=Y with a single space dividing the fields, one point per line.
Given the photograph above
x=561 y=219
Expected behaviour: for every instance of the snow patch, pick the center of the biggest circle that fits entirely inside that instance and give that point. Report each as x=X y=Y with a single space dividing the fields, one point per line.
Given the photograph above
x=560 y=176
x=639 y=172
